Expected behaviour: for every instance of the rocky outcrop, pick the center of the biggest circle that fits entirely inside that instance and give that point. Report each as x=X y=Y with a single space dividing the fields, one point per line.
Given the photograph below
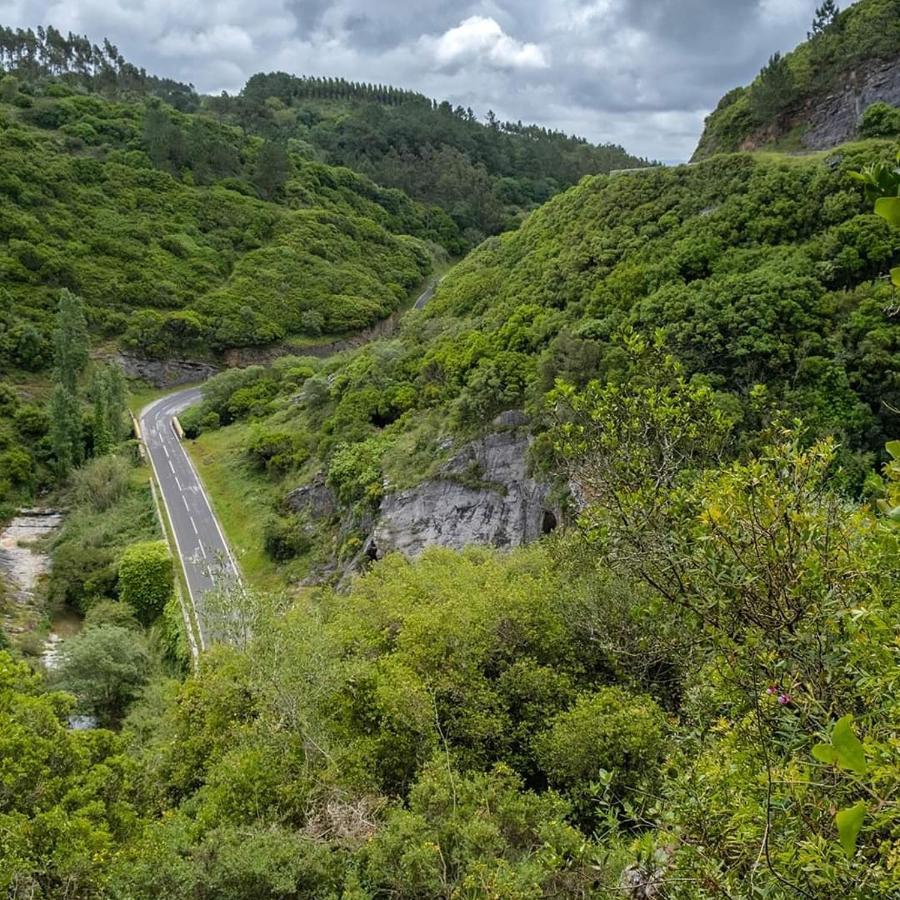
x=316 y=500
x=239 y=357
x=165 y=373
x=834 y=119
x=483 y=495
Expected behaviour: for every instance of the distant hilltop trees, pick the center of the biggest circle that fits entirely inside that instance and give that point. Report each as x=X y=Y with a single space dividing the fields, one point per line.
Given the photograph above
x=48 y=52
x=289 y=88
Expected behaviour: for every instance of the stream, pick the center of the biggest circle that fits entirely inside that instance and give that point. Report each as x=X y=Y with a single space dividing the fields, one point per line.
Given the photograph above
x=22 y=566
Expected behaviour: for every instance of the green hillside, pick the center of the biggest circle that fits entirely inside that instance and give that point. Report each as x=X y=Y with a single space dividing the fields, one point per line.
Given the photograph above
x=484 y=175
x=775 y=109
x=762 y=274
x=171 y=265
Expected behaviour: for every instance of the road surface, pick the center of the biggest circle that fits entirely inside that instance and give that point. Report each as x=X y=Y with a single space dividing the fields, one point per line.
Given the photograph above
x=205 y=556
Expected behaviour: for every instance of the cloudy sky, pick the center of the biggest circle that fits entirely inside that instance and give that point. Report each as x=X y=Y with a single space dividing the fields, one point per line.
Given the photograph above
x=642 y=73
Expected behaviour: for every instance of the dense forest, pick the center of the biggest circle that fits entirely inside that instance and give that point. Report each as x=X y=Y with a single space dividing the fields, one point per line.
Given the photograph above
x=484 y=175
x=842 y=46
x=688 y=690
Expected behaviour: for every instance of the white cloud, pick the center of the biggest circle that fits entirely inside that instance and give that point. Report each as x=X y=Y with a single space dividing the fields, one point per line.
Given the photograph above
x=218 y=41
x=481 y=39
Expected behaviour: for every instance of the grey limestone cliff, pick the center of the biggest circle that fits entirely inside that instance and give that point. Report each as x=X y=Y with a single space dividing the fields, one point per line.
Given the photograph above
x=483 y=495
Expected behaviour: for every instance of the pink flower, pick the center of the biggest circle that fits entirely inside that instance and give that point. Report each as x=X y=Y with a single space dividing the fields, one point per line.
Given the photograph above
x=784 y=699
x=771 y=689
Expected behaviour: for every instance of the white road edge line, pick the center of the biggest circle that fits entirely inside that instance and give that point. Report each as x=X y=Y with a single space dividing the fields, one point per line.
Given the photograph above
x=190 y=462
x=143 y=414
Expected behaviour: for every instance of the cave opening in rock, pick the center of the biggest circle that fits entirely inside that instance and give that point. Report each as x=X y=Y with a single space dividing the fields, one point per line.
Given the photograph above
x=548 y=522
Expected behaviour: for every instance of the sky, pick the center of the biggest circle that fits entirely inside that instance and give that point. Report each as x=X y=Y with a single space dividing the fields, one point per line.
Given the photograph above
x=641 y=73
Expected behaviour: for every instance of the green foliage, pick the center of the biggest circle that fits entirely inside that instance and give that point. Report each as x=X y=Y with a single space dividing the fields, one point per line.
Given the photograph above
x=203 y=241
x=105 y=667
x=773 y=91
x=842 y=46
x=106 y=513
x=146 y=578
x=63 y=804
x=610 y=732
x=880 y=120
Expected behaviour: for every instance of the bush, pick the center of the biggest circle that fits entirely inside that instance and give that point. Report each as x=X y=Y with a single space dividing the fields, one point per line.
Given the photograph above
x=880 y=120
x=105 y=667
x=101 y=482
x=613 y=729
x=146 y=578
x=285 y=538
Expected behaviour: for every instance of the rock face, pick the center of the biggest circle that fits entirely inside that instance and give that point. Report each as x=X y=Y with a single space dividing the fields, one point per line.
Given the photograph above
x=164 y=373
x=835 y=119
x=316 y=500
x=483 y=495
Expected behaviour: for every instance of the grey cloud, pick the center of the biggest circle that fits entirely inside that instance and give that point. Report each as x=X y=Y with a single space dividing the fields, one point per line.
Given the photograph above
x=643 y=73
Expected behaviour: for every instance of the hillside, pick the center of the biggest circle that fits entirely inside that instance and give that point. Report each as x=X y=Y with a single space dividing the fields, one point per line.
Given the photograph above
x=177 y=264
x=760 y=273
x=841 y=83
x=485 y=175
x=693 y=690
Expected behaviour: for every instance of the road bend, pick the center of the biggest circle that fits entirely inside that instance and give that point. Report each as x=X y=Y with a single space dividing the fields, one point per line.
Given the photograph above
x=205 y=556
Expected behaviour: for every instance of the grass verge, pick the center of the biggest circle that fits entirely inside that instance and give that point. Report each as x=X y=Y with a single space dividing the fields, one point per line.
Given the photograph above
x=241 y=498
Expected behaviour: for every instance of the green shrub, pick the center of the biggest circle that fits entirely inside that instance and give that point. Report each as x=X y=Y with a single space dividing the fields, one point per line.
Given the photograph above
x=612 y=730
x=102 y=482
x=880 y=120
x=146 y=578
x=105 y=666
x=285 y=537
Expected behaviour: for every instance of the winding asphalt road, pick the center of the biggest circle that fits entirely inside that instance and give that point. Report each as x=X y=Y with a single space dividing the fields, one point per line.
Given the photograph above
x=204 y=553
x=200 y=542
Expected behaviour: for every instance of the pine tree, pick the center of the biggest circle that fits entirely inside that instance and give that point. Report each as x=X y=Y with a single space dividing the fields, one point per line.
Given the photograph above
x=773 y=92
x=824 y=18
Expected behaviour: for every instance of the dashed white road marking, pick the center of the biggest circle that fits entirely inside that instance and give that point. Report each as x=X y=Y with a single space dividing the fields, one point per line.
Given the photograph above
x=193 y=525
x=165 y=450
x=171 y=467
x=177 y=483
x=184 y=501
x=200 y=545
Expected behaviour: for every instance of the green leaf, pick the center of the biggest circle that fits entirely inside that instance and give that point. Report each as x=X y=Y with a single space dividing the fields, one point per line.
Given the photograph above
x=893 y=447
x=848 y=822
x=850 y=752
x=895 y=276
x=825 y=753
x=845 y=750
x=889 y=208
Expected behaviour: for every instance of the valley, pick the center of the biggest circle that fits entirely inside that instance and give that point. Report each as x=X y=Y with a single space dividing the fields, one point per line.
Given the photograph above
x=402 y=503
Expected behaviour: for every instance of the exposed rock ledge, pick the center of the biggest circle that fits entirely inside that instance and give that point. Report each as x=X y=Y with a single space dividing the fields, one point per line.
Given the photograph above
x=165 y=373
x=482 y=495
